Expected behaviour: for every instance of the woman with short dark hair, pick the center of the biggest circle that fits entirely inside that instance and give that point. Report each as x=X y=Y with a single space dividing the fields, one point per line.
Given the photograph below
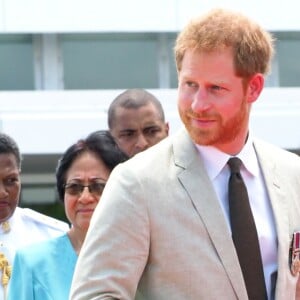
x=45 y=271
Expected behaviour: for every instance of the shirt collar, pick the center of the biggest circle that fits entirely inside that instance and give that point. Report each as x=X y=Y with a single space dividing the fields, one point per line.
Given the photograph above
x=215 y=160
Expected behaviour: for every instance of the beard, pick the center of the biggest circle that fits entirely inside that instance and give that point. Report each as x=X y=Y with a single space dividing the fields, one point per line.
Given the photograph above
x=223 y=132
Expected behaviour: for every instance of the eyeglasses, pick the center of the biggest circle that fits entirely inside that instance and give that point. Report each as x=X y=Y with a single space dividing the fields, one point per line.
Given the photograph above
x=76 y=189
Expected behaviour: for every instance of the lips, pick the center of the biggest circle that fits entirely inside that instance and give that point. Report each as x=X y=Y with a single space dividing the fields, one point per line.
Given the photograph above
x=4 y=203
x=202 y=123
x=85 y=210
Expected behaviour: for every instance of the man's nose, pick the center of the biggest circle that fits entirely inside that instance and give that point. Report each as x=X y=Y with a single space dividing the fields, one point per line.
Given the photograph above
x=201 y=101
x=3 y=191
x=142 y=142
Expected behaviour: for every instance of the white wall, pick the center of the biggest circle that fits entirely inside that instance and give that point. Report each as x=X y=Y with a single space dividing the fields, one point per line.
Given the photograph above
x=43 y=16
x=49 y=121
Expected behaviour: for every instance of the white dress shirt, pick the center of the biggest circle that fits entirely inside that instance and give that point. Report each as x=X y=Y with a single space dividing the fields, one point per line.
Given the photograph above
x=218 y=171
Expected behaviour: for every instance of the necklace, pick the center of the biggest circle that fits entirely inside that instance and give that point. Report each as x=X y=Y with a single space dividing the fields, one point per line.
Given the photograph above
x=6 y=272
x=5 y=226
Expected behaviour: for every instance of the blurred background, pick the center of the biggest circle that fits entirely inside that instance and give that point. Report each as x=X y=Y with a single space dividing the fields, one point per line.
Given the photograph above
x=62 y=62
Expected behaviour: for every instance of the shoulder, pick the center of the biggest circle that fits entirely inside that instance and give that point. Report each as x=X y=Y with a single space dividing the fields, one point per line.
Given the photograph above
x=275 y=161
x=160 y=160
x=42 y=248
x=157 y=153
x=34 y=258
x=274 y=152
x=30 y=215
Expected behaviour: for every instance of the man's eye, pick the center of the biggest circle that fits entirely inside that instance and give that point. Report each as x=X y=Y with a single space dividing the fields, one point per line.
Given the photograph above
x=216 y=87
x=152 y=131
x=11 y=181
x=127 y=135
x=191 y=84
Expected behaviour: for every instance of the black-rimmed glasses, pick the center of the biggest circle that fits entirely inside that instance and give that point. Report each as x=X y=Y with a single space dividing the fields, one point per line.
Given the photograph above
x=76 y=189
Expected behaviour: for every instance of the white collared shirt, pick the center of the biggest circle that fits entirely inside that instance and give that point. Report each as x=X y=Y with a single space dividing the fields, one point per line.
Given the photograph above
x=218 y=171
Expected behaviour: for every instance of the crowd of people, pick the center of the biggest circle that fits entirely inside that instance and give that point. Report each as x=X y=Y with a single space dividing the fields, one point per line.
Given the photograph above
x=34 y=246
x=153 y=216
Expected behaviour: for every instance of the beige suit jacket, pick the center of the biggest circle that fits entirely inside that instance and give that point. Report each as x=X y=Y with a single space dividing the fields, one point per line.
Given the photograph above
x=159 y=229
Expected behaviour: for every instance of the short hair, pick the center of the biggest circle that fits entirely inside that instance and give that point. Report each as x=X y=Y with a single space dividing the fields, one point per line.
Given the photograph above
x=252 y=46
x=9 y=146
x=100 y=143
x=133 y=98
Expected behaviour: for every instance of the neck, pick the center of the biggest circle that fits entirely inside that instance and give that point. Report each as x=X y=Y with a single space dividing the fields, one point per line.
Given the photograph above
x=235 y=146
x=77 y=238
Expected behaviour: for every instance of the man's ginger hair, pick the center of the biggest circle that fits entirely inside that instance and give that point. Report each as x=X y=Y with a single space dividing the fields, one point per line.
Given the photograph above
x=252 y=46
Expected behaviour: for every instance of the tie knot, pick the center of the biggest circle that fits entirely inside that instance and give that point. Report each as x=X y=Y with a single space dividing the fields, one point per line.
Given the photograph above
x=234 y=164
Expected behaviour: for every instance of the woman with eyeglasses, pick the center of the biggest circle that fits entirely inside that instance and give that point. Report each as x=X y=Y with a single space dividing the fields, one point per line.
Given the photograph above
x=44 y=271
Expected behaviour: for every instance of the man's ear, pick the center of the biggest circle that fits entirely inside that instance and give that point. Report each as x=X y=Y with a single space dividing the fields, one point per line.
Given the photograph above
x=167 y=127
x=255 y=86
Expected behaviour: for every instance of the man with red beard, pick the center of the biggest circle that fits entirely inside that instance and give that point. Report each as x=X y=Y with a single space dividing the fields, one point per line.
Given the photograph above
x=170 y=209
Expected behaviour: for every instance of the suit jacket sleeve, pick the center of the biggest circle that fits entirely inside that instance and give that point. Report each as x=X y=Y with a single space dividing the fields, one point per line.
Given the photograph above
x=119 y=232
x=298 y=290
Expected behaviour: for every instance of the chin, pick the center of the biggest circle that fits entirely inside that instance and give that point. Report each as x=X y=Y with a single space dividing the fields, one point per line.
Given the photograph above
x=201 y=137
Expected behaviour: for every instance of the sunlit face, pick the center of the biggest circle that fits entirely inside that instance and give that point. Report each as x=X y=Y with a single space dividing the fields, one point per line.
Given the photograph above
x=10 y=185
x=86 y=169
x=212 y=100
x=138 y=129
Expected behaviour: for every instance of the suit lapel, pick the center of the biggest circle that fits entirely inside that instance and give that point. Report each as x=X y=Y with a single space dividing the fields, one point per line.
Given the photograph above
x=279 y=206
x=200 y=190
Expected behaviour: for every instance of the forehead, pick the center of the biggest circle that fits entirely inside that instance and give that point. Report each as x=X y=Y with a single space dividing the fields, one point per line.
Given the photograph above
x=128 y=118
x=86 y=161
x=217 y=63
x=8 y=162
x=88 y=164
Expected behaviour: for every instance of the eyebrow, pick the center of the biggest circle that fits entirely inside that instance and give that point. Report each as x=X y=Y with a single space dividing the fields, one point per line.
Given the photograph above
x=152 y=126
x=127 y=130
x=90 y=179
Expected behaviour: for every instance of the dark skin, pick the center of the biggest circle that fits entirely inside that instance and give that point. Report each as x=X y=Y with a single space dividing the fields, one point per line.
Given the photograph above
x=138 y=129
x=10 y=185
